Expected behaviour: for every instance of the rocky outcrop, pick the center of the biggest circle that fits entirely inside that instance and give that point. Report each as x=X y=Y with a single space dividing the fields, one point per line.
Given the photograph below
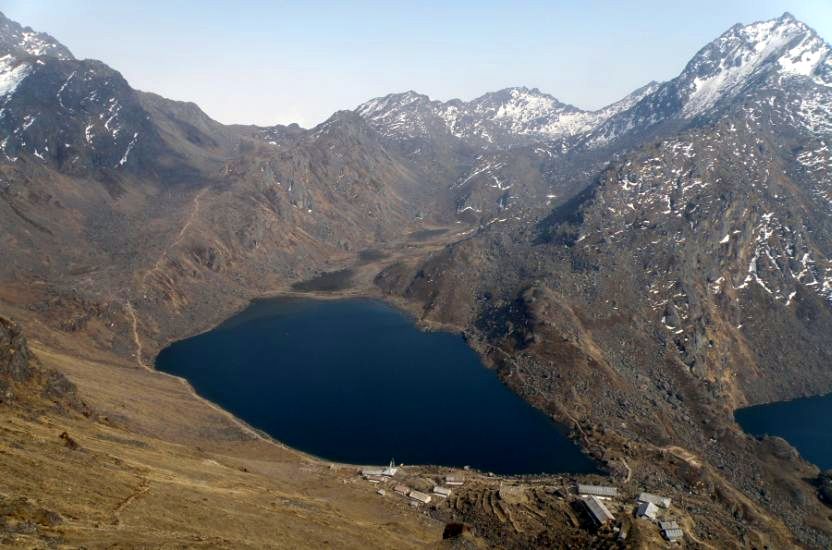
x=23 y=381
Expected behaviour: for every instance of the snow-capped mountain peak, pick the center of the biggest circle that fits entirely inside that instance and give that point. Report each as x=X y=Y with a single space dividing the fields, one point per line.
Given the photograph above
x=406 y=114
x=21 y=41
x=389 y=102
x=518 y=104
x=493 y=118
x=773 y=55
x=782 y=46
x=522 y=110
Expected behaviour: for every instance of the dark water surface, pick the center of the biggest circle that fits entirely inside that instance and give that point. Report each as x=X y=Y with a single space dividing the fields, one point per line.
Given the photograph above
x=805 y=423
x=355 y=381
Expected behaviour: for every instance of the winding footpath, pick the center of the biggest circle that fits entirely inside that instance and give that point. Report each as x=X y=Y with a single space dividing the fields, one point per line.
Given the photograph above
x=137 y=342
x=177 y=240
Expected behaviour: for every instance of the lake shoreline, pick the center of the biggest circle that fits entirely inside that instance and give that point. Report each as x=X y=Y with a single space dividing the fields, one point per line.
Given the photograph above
x=393 y=315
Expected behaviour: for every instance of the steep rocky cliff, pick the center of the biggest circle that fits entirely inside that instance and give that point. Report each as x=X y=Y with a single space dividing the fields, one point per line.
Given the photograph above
x=24 y=382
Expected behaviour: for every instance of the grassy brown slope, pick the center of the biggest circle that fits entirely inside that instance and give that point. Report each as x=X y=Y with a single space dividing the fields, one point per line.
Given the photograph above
x=199 y=480
x=121 y=489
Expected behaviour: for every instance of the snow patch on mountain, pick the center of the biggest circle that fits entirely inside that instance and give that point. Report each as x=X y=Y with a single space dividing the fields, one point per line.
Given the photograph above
x=814 y=110
x=35 y=44
x=12 y=73
x=816 y=163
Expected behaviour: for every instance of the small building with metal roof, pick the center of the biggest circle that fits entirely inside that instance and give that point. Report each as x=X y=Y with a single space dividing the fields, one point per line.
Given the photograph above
x=673 y=535
x=453 y=480
x=419 y=496
x=660 y=501
x=647 y=510
x=599 y=513
x=444 y=492
x=671 y=530
x=597 y=490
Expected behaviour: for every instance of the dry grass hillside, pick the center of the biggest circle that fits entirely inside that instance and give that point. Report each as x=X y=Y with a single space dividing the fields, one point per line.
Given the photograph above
x=148 y=464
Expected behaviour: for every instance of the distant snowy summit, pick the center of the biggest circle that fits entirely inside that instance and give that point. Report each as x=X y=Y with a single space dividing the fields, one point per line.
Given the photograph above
x=763 y=58
x=767 y=53
x=495 y=117
x=782 y=47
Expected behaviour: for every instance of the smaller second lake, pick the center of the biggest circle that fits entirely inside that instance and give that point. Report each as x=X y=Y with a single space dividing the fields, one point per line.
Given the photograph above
x=356 y=381
x=805 y=423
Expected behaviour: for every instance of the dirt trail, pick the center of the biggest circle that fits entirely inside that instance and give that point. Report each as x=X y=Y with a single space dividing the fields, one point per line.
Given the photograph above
x=134 y=322
x=144 y=486
x=140 y=362
x=629 y=470
x=137 y=342
x=131 y=311
x=684 y=454
x=178 y=239
x=699 y=541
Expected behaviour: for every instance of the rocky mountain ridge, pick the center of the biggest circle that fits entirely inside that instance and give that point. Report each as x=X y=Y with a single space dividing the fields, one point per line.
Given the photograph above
x=637 y=272
x=689 y=276
x=497 y=119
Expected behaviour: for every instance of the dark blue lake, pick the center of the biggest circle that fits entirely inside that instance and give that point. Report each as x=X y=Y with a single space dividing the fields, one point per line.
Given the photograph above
x=805 y=423
x=356 y=381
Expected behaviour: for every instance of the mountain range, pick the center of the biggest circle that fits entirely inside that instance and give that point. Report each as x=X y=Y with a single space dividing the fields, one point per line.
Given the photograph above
x=637 y=272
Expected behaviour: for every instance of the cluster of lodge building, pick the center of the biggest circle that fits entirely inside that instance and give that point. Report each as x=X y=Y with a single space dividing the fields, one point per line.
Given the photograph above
x=648 y=506
x=594 y=498
x=383 y=475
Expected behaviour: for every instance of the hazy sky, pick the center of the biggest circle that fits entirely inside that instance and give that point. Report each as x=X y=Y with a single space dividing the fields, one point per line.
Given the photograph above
x=279 y=62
